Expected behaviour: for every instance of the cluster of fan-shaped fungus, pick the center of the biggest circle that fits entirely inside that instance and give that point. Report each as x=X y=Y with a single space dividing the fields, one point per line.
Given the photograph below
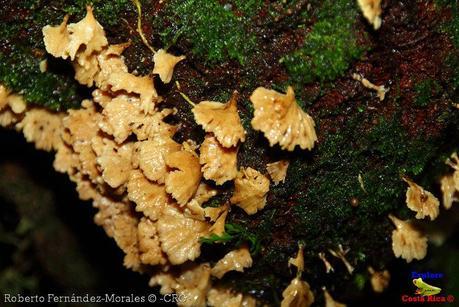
x=150 y=190
x=408 y=242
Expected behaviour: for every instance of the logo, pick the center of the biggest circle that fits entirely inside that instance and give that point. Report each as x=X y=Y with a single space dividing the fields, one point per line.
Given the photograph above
x=424 y=288
x=426 y=292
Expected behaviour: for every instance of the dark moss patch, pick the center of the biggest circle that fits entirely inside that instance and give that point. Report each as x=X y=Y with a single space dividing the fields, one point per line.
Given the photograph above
x=20 y=72
x=214 y=31
x=425 y=91
x=329 y=47
x=451 y=26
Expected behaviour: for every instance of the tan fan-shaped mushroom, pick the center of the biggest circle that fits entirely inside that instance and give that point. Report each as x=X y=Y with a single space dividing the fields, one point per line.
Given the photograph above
x=114 y=161
x=214 y=212
x=203 y=194
x=150 y=198
x=329 y=301
x=3 y=97
x=57 y=39
x=86 y=32
x=82 y=124
x=407 y=242
x=65 y=161
x=277 y=171
x=297 y=294
x=43 y=128
x=16 y=103
x=150 y=126
x=221 y=119
x=149 y=245
x=120 y=115
x=86 y=69
x=183 y=179
x=191 y=283
x=218 y=163
x=9 y=118
x=282 y=120
x=371 y=9
x=250 y=190
x=120 y=223
x=88 y=160
x=180 y=235
x=379 y=279
x=165 y=280
x=65 y=41
x=194 y=283
x=236 y=260
x=218 y=227
x=152 y=156
x=221 y=297
x=298 y=261
x=102 y=98
x=194 y=210
x=141 y=85
x=421 y=201
x=164 y=64
x=12 y=107
x=109 y=62
x=448 y=189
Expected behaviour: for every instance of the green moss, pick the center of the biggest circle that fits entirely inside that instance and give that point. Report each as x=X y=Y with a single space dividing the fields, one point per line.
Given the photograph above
x=237 y=235
x=380 y=156
x=20 y=72
x=425 y=91
x=107 y=12
x=248 y=7
x=215 y=33
x=330 y=46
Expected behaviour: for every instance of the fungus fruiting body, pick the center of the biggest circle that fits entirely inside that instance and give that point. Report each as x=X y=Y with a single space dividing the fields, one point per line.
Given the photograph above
x=407 y=241
x=282 y=120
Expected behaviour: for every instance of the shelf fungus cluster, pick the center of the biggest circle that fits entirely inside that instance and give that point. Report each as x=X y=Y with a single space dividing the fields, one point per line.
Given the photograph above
x=408 y=242
x=148 y=189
